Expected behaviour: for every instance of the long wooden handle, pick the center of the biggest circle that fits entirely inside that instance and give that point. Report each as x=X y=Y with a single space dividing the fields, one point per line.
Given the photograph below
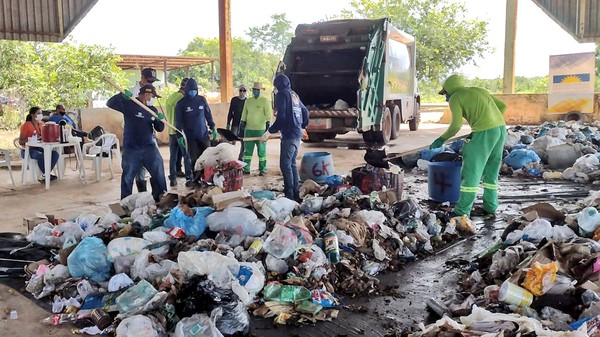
x=143 y=106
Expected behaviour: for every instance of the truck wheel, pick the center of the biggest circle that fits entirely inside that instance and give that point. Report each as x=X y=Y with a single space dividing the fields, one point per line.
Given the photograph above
x=396 y=120
x=413 y=124
x=383 y=137
x=315 y=137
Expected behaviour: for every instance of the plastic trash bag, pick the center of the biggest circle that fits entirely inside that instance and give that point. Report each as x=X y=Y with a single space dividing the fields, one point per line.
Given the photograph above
x=219 y=268
x=140 y=326
x=540 y=277
x=279 y=209
x=587 y=163
x=282 y=242
x=312 y=204
x=159 y=270
x=195 y=225
x=232 y=319
x=90 y=259
x=263 y=194
x=540 y=146
x=135 y=297
x=197 y=325
x=126 y=246
x=131 y=202
x=373 y=219
x=41 y=233
x=108 y=219
x=537 y=230
x=252 y=277
x=236 y=220
x=517 y=159
x=276 y=265
x=119 y=281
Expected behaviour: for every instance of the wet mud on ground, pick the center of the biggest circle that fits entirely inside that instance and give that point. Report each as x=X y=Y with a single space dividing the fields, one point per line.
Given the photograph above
x=403 y=307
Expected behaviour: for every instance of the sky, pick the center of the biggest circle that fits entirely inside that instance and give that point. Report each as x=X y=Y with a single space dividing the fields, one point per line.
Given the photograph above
x=158 y=27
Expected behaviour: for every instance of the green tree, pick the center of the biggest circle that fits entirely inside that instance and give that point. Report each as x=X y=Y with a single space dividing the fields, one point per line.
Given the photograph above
x=45 y=74
x=274 y=37
x=446 y=39
x=249 y=65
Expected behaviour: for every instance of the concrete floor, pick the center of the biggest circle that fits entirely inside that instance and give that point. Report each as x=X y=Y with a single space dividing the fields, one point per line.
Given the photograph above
x=70 y=197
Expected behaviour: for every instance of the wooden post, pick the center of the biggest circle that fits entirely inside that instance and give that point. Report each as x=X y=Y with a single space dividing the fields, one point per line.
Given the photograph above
x=510 y=36
x=226 y=59
x=212 y=76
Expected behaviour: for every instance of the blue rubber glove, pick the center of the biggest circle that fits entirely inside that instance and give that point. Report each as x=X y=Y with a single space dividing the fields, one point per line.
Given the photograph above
x=127 y=94
x=214 y=133
x=439 y=142
x=160 y=116
x=181 y=142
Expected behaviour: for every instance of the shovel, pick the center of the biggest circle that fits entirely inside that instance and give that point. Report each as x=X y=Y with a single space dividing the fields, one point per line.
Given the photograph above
x=152 y=113
x=232 y=137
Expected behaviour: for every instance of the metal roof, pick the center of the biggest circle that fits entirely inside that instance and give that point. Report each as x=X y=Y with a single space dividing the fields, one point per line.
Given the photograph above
x=160 y=62
x=41 y=20
x=580 y=18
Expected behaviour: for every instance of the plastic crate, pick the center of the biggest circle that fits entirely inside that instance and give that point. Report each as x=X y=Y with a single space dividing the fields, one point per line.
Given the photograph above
x=368 y=182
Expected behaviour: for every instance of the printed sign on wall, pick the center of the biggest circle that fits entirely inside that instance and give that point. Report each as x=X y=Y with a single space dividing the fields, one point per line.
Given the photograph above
x=571 y=86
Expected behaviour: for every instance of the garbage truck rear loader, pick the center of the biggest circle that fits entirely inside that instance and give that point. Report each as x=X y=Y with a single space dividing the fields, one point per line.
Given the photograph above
x=354 y=75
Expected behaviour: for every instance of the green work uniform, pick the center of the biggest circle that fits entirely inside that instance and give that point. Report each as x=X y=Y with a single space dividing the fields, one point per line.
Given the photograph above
x=256 y=114
x=482 y=151
x=170 y=104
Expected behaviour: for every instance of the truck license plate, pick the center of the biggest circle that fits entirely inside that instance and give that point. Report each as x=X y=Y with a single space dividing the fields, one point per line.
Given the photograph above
x=319 y=123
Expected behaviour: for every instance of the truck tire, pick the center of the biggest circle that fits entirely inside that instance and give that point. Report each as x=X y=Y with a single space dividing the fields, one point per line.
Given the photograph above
x=413 y=124
x=314 y=137
x=383 y=137
x=396 y=120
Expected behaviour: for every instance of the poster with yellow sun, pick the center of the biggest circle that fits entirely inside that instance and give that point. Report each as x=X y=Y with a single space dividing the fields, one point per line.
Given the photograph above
x=571 y=86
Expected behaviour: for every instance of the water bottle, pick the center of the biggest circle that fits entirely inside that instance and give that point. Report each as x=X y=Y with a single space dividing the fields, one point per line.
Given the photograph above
x=588 y=220
x=332 y=249
x=34 y=137
x=255 y=247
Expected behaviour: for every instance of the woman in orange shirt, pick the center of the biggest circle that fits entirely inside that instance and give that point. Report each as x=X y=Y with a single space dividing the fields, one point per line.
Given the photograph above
x=33 y=124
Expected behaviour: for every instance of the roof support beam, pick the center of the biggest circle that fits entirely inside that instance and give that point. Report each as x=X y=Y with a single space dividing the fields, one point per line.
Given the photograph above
x=226 y=59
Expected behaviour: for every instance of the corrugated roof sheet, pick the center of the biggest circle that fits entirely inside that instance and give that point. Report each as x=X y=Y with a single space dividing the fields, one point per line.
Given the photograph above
x=580 y=18
x=159 y=62
x=41 y=20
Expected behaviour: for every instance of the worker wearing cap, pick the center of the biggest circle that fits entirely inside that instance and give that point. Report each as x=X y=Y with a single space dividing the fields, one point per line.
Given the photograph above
x=139 y=146
x=192 y=114
x=482 y=150
x=234 y=116
x=256 y=119
x=148 y=77
x=175 y=151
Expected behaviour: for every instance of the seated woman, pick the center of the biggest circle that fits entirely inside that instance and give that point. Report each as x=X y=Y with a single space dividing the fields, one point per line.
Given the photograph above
x=33 y=124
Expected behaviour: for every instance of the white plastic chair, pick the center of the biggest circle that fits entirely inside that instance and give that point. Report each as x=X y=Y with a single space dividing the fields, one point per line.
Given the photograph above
x=105 y=144
x=6 y=162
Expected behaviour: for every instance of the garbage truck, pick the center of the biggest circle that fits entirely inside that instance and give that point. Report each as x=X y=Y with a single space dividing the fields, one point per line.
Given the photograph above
x=354 y=75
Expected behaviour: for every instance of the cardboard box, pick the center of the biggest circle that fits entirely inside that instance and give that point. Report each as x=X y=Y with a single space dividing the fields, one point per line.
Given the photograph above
x=118 y=209
x=237 y=198
x=31 y=221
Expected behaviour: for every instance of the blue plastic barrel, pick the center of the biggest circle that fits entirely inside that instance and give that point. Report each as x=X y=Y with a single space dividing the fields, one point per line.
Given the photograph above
x=317 y=166
x=444 y=181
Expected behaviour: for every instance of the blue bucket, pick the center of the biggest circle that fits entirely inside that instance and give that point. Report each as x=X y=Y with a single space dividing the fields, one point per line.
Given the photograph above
x=444 y=181
x=317 y=166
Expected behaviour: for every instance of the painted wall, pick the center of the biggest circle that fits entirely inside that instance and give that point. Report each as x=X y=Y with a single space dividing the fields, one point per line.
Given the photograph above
x=112 y=121
x=529 y=109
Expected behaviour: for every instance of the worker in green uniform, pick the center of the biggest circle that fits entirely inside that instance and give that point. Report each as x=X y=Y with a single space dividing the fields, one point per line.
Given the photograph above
x=256 y=119
x=482 y=150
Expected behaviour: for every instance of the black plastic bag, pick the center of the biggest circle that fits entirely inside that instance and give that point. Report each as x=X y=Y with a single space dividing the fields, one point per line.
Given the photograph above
x=232 y=319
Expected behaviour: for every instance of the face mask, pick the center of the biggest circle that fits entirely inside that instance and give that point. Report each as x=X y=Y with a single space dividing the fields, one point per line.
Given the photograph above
x=242 y=95
x=192 y=93
x=39 y=117
x=447 y=97
x=150 y=101
x=255 y=93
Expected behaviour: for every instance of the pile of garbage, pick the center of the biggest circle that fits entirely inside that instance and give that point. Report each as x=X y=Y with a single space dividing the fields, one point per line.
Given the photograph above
x=201 y=263
x=543 y=278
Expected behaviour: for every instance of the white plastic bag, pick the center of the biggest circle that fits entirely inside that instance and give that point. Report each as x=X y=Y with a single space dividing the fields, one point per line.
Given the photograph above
x=537 y=230
x=236 y=220
x=119 y=281
x=282 y=242
x=126 y=246
x=279 y=209
x=197 y=325
x=140 y=326
x=373 y=219
x=219 y=268
x=276 y=265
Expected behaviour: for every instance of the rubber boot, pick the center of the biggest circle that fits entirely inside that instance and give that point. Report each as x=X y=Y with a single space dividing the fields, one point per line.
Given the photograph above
x=141 y=186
